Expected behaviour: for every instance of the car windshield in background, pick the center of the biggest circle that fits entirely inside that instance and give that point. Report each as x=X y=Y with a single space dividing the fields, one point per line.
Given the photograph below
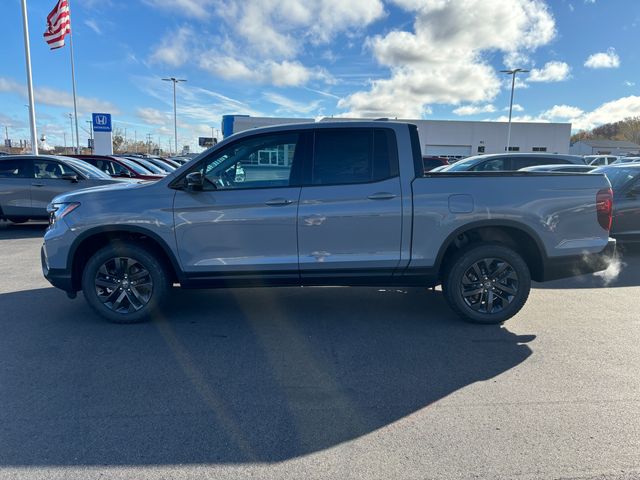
x=461 y=165
x=618 y=177
x=87 y=169
x=148 y=165
x=135 y=167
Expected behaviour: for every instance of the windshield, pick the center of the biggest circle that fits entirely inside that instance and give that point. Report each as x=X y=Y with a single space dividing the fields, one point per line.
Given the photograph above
x=148 y=165
x=619 y=177
x=165 y=167
x=134 y=166
x=462 y=164
x=87 y=169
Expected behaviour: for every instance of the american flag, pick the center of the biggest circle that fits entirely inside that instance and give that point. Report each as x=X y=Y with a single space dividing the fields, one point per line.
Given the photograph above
x=58 y=25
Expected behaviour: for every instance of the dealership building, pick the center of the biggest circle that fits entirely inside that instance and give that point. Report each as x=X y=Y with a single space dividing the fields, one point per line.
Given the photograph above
x=447 y=138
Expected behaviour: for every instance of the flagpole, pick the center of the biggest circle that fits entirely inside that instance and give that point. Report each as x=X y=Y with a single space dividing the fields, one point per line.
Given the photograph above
x=32 y=104
x=73 y=81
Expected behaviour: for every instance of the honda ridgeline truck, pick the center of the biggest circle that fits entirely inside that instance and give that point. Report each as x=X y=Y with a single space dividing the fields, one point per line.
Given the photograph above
x=327 y=204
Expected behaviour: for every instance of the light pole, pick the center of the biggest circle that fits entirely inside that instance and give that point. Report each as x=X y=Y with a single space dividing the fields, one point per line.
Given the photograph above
x=175 y=115
x=513 y=72
x=91 y=132
x=71 y=123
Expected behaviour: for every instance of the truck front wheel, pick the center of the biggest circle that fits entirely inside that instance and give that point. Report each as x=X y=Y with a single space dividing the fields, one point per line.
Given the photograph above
x=124 y=283
x=486 y=283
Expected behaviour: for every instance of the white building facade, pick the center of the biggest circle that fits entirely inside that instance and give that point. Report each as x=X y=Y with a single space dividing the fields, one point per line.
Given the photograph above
x=604 y=147
x=449 y=138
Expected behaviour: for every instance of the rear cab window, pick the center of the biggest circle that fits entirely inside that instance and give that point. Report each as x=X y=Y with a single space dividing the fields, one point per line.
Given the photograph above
x=352 y=156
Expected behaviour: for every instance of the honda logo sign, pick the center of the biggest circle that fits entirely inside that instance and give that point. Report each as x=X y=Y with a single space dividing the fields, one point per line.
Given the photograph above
x=101 y=122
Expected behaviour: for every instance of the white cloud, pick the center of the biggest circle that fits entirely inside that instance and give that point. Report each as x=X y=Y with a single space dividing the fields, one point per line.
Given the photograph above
x=551 y=72
x=562 y=112
x=190 y=8
x=287 y=105
x=226 y=67
x=288 y=73
x=608 y=59
x=608 y=112
x=58 y=98
x=629 y=83
x=174 y=50
x=474 y=109
x=516 y=108
x=152 y=116
x=280 y=74
x=278 y=29
x=93 y=26
x=441 y=60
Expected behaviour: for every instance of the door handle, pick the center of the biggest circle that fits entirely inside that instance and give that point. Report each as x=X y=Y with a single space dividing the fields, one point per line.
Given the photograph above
x=37 y=184
x=278 y=202
x=382 y=196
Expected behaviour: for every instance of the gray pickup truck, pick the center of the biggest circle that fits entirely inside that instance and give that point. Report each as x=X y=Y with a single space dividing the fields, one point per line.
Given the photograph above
x=327 y=204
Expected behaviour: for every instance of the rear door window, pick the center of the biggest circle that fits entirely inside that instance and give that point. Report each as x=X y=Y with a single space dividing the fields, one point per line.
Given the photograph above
x=351 y=156
x=13 y=168
x=49 y=169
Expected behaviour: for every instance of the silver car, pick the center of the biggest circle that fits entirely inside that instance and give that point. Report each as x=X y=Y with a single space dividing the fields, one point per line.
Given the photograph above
x=29 y=183
x=506 y=162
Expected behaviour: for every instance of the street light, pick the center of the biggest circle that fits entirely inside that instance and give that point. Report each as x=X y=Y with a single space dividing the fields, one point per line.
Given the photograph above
x=175 y=115
x=513 y=72
x=91 y=132
x=71 y=123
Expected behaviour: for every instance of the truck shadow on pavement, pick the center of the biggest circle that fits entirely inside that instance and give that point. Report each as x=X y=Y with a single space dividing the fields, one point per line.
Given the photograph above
x=229 y=376
x=10 y=231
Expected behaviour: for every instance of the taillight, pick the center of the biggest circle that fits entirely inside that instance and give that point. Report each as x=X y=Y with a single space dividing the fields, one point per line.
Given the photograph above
x=604 y=207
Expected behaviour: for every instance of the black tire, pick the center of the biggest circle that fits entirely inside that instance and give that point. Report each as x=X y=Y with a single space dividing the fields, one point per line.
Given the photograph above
x=470 y=295
x=124 y=283
x=18 y=220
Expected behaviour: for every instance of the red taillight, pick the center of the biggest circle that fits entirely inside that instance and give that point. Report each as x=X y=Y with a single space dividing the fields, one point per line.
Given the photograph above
x=604 y=207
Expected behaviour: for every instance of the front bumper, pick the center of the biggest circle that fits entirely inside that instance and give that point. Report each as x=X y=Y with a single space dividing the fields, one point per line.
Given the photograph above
x=575 y=265
x=58 y=277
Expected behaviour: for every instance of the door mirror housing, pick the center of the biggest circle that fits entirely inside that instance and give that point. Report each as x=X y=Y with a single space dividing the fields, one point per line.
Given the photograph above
x=194 y=181
x=72 y=177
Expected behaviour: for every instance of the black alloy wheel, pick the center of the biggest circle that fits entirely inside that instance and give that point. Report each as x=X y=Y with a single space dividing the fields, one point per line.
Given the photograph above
x=486 y=283
x=489 y=285
x=123 y=285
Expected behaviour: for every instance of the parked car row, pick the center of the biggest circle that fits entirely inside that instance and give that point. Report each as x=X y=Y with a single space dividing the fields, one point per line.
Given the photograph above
x=28 y=183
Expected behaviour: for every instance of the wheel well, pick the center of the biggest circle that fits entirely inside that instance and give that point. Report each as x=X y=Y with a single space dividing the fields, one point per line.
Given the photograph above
x=512 y=237
x=93 y=243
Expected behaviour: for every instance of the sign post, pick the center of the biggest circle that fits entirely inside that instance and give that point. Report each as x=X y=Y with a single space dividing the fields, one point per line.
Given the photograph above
x=102 y=134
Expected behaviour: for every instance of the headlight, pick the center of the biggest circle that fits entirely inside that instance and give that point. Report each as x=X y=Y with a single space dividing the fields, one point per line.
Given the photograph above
x=58 y=211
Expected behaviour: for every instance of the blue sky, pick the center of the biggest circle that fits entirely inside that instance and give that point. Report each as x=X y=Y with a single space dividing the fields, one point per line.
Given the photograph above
x=310 y=58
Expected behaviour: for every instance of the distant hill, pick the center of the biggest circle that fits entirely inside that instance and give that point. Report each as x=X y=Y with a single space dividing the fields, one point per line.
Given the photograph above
x=627 y=129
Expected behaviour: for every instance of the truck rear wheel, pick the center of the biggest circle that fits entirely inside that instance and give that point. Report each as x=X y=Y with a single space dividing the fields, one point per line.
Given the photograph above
x=487 y=283
x=124 y=283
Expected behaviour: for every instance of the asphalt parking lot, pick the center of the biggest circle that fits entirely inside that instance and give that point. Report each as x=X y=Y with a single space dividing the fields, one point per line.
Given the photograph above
x=338 y=383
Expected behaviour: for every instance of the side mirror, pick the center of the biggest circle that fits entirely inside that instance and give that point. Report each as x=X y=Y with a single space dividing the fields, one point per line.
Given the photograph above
x=194 y=181
x=72 y=177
